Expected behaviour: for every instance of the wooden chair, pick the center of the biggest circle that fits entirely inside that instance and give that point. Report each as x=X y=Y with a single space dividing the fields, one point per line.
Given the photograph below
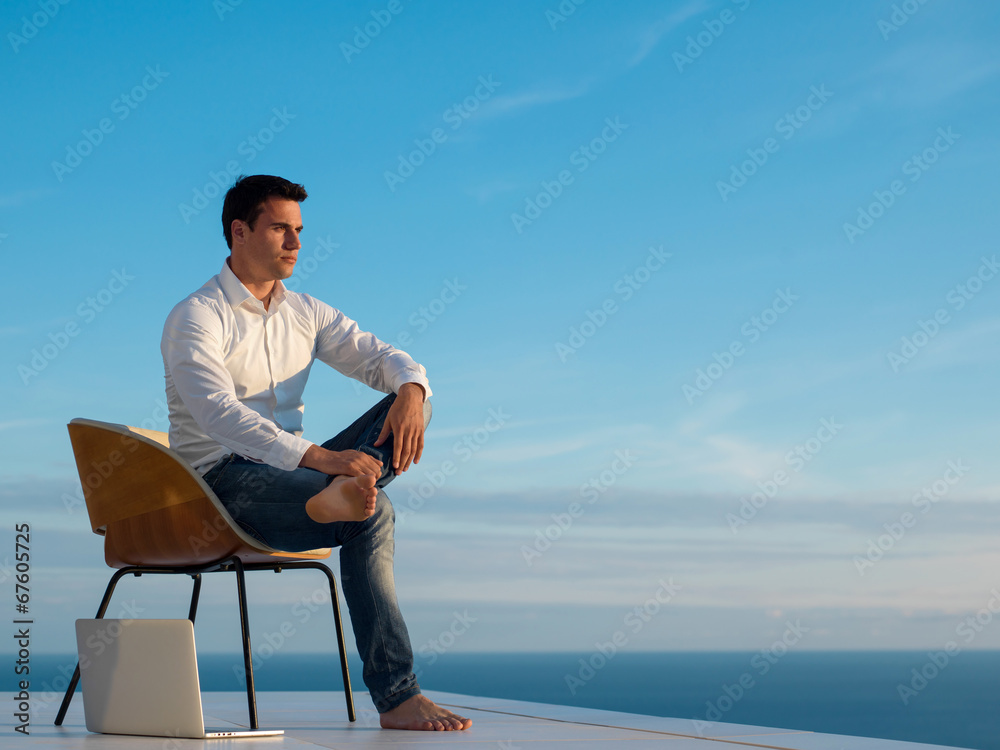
x=157 y=515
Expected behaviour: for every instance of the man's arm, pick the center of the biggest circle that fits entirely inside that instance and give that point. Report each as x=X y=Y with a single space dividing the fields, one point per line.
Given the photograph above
x=349 y=463
x=358 y=354
x=341 y=344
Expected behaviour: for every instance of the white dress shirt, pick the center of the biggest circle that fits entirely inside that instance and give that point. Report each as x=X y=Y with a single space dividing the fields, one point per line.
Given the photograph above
x=235 y=372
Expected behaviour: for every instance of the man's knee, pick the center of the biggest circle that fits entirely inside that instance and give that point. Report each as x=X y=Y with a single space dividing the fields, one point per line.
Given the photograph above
x=384 y=516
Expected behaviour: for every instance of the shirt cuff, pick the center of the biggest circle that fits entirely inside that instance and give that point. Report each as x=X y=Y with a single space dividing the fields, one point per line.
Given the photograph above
x=413 y=377
x=287 y=451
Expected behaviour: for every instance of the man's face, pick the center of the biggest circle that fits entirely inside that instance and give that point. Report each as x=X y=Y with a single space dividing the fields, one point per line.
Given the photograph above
x=269 y=251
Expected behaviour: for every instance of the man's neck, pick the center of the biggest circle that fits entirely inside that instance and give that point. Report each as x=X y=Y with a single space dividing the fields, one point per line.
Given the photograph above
x=261 y=290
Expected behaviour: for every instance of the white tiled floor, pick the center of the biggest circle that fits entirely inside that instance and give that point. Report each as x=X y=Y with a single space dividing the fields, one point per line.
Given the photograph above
x=319 y=720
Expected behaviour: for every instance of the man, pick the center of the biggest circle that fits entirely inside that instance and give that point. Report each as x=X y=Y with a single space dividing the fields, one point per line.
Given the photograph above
x=237 y=354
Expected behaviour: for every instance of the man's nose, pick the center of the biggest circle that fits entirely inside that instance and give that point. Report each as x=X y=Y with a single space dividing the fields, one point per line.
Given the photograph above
x=292 y=241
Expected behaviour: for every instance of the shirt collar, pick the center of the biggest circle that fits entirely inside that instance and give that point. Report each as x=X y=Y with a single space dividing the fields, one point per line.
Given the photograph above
x=237 y=294
x=277 y=293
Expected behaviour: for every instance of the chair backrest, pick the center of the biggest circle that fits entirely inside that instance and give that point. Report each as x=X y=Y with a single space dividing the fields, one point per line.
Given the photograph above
x=152 y=507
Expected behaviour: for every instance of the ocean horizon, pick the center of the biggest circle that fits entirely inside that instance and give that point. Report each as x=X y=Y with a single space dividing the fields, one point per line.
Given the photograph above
x=916 y=696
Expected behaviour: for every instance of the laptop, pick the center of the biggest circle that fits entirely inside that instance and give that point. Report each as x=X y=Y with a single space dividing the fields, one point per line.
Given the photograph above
x=141 y=677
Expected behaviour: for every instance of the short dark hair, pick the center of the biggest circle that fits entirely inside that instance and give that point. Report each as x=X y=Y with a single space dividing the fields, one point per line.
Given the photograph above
x=245 y=199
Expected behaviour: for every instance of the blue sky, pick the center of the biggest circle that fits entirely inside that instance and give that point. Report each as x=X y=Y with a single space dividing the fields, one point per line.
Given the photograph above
x=681 y=250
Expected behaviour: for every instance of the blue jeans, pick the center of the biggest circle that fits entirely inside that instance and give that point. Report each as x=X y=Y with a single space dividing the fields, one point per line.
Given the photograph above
x=269 y=504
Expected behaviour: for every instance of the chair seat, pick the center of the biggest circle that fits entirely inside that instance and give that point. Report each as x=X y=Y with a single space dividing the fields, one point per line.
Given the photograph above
x=152 y=507
x=191 y=534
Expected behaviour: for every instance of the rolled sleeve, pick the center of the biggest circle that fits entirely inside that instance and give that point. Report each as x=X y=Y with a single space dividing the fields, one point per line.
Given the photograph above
x=358 y=354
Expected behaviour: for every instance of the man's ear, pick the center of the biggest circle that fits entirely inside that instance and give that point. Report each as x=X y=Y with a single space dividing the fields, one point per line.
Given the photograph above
x=239 y=230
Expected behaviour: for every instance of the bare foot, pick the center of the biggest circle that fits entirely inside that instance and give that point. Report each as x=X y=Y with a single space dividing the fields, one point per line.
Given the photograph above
x=419 y=712
x=344 y=499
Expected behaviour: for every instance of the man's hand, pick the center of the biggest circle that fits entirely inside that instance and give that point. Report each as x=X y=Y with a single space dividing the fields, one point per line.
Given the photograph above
x=405 y=421
x=344 y=463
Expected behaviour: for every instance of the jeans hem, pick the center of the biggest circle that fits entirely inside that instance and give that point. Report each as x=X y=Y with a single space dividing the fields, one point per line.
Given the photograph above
x=395 y=700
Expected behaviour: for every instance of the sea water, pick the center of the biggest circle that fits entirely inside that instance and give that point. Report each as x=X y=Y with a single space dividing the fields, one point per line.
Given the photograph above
x=891 y=695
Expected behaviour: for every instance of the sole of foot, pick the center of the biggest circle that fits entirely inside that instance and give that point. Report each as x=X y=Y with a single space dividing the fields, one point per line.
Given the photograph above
x=344 y=499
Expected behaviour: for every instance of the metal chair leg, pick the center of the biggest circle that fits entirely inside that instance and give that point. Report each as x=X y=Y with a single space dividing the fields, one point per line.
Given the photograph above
x=67 y=699
x=193 y=610
x=341 y=646
x=335 y=602
x=241 y=586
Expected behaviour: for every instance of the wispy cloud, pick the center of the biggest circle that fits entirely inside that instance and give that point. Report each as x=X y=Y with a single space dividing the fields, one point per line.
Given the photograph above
x=535 y=450
x=511 y=104
x=20 y=197
x=485 y=192
x=12 y=424
x=923 y=75
x=971 y=344
x=444 y=433
x=652 y=35
x=738 y=457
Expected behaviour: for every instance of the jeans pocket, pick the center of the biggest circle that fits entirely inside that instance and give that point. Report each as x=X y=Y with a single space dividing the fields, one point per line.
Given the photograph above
x=213 y=475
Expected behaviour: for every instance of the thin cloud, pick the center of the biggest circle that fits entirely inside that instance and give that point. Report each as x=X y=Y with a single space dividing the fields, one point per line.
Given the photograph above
x=515 y=103
x=11 y=424
x=652 y=36
x=972 y=344
x=923 y=75
x=484 y=193
x=535 y=450
x=20 y=197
